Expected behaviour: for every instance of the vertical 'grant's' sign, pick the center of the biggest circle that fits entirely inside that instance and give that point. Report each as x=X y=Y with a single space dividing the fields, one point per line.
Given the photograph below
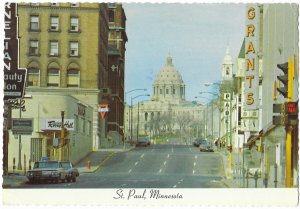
x=251 y=84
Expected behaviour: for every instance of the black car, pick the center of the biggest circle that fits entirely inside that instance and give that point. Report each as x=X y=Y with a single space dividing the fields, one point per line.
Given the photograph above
x=198 y=141
x=72 y=173
x=49 y=170
x=206 y=147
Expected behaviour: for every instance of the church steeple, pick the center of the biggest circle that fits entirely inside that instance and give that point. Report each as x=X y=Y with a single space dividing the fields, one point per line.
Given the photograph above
x=227 y=66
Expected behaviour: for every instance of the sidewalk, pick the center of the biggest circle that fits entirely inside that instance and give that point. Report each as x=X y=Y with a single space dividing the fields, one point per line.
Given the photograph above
x=96 y=158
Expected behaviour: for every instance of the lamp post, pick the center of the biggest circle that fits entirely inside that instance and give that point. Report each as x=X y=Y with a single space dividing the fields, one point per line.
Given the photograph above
x=130 y=109
x=219 y=108
x=132 y=98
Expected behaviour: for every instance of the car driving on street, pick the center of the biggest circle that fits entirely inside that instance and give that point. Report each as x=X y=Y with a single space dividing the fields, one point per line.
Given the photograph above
x=206 y=147
x=71 y=171
x=143 y=141
x=51 y=170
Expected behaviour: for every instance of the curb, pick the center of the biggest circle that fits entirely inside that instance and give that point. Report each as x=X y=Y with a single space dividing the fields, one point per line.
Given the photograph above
x=100 y=164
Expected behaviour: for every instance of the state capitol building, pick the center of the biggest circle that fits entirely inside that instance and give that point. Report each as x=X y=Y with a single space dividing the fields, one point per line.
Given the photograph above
x=167 y=112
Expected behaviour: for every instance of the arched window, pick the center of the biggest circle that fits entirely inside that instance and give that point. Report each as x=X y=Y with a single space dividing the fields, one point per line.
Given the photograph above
x=53 y=75
x=146 y=116
x=33 y=74
x=73 y=75
x=227 y=71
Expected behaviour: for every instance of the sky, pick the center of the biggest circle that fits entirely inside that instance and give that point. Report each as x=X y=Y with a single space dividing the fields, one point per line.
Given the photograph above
x=195 y=35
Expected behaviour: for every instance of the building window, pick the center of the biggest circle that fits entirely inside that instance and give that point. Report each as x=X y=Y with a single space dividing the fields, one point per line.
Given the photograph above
x=53 y=77
x=54 y=23
x=160 y=91
x=74 y=4
x=53 y=48
x=111 y=16
x=174 y=91
x=167 y=91
x=33 y=77
x=36 y=149
x=33 y=47
x=89 y=128
x=73 y=49
x=227 y=71
x=73 y=78
x=74 y=24
x=34 y=22
x=55 y=4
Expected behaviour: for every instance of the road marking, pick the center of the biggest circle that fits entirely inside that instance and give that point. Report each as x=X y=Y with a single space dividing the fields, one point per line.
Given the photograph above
x=129 y=171
x=172 y=149
x=136 y=163
x=165 y=162
x=159 y=171
x=178 y=182
x=194 y=164
x=142 y=155
x=174 y=186
x=196 y=156
x=181 y=179
x=193 y=171
x=168 y=155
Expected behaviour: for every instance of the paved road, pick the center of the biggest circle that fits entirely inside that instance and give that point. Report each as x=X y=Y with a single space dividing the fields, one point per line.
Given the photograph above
x=156 y=166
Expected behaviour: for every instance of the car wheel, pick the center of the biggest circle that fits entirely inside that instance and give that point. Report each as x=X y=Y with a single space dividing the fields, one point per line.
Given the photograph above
x=69 y=179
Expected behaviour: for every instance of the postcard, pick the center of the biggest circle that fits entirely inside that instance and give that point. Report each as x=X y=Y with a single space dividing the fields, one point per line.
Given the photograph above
x=149 y=104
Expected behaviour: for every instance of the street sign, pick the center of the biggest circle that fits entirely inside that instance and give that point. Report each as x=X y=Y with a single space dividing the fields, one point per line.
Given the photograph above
x=103 y=109
x=22 y=126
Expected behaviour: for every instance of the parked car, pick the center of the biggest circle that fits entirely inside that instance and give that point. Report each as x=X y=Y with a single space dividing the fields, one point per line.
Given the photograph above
x=71 y=171
x=198 y=141
x=49 y=170
x=142 y=141
x=206 y=147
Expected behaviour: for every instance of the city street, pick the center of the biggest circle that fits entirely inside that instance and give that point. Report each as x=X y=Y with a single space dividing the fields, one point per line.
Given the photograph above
x=155 y=166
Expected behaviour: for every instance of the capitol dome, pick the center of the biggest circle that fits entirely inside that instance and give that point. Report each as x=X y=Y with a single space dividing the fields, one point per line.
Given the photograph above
x=168 y=74
x=168 y=85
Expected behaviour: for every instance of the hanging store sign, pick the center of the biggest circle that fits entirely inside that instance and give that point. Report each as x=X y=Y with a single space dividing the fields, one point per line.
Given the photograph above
x=251 y=83
x=55 y=124
x=14 y=77
x=22 y=126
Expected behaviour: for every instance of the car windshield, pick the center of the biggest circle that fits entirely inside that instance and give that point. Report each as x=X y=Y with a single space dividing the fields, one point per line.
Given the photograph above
x=66 y=164
x=46 y=165
x=142 y=139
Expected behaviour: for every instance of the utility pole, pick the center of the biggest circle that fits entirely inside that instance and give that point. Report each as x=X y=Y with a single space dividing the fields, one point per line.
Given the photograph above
x=62 y=139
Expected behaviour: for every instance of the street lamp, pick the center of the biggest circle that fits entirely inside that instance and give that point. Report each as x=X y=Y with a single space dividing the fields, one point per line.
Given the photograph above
x=132 y=98
x=130 y=109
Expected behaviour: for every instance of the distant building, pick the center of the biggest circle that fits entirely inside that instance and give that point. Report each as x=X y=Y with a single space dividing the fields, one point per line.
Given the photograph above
x=66 y=57
x=167 y=111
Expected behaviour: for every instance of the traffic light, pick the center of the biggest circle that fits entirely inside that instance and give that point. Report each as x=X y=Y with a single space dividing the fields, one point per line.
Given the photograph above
x=284 y=79
x=287 y=78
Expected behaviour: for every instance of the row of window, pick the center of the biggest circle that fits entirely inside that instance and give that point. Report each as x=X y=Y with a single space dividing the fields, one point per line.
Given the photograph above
x=54 y=48
x=54 y=23
x=56 y=4
x=53 y=77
